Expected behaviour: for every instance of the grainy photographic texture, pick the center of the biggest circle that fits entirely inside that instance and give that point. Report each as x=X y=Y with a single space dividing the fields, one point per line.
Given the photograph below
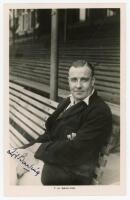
x=43 y=44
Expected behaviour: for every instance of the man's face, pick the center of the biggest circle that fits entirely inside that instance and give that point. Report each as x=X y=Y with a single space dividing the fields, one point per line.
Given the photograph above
x=81 y=82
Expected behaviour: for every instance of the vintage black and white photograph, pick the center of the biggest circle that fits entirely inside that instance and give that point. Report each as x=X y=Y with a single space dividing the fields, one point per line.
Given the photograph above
x=64 y=96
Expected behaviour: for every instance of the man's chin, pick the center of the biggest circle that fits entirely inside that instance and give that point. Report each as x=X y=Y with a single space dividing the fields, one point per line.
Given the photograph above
x=79 y=97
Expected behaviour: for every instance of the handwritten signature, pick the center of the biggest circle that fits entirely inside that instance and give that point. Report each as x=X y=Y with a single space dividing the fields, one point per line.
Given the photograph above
x=21 y=158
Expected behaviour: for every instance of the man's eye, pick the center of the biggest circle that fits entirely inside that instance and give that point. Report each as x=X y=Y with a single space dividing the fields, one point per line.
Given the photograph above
x=81 y=80
x=73 y=79
x=84 y=79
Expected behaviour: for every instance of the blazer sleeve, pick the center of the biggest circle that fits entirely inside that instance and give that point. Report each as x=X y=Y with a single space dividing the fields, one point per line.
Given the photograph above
x=46 y=136
x=68 y=152
x=41 y=139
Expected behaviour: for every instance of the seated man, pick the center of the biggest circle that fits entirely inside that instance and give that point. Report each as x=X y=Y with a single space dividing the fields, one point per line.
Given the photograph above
x=75 y=132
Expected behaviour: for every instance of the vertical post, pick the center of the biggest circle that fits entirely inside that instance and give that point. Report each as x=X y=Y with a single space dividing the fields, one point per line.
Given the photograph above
x=13 y=30
x=65 y=25
x=54 y=56
x=34 y=23
x=82 y=15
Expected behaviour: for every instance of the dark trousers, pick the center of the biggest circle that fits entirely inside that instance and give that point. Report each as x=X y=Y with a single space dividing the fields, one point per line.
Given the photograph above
x=55 y=175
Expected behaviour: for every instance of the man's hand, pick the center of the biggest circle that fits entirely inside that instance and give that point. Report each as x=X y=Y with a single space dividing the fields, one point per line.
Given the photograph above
x=34 y=147
x=20 y=171
x=71 y=136
x=28 y=156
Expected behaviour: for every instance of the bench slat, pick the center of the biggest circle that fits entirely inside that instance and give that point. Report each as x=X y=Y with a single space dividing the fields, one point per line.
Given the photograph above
x=29 y=107
x=17 y=87
x=38 y=97
x=24 y=126
x=16 y=143
x=32 y=101
x=34 y=119
x=27 y=121
x=18 y=135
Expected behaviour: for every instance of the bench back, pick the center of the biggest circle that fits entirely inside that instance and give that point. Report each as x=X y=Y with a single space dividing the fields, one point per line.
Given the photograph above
x=28 y=113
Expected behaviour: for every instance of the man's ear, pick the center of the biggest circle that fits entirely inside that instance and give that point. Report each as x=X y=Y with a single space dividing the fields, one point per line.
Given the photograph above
x=69 y=80
x=93 y=80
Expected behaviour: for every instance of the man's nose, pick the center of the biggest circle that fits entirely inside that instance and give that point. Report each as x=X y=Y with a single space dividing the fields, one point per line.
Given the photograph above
x=78 y=83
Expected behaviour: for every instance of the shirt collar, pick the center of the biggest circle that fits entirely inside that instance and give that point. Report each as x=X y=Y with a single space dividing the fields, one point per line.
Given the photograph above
x=86 y=100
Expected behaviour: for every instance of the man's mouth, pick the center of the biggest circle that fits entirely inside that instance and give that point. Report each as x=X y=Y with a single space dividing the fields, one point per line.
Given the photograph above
x=79 y=92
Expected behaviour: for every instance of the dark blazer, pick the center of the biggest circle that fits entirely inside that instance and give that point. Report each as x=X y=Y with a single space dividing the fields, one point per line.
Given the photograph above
x=72 y=162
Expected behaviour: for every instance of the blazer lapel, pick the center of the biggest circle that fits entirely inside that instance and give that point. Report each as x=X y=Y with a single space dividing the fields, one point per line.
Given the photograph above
x=62 y=113
x=50 y=121
x=77 y=108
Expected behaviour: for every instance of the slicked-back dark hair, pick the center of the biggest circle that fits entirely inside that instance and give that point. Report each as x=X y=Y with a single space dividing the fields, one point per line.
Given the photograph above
x=82 y=63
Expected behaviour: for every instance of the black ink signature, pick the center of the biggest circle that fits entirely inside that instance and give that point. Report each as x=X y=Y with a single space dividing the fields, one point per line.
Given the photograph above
x=21 y=158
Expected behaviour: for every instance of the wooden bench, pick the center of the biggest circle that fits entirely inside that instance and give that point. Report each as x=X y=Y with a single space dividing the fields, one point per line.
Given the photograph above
x=28 y=113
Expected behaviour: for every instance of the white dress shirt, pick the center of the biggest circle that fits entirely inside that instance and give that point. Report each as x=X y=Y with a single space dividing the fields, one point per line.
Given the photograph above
x=86 y=100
